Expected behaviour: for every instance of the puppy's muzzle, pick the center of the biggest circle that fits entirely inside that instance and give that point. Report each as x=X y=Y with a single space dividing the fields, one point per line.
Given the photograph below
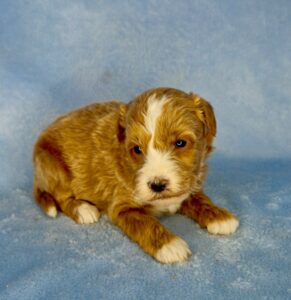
x=158 y=185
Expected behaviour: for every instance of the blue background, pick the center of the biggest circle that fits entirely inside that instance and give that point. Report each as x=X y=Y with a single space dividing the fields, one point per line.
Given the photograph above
x=58 y=55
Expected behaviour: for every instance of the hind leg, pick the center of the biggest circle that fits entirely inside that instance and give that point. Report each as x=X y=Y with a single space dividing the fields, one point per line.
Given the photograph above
x=52 y=189
x=79 y=210
x=46 y=201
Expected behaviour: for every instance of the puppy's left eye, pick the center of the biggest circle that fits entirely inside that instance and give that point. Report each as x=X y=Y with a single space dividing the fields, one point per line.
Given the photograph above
x=180 y=143
x=137 y=150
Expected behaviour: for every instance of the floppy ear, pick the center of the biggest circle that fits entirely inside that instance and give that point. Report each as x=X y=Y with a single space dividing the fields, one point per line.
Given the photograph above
x=122 y=122
x=205 y=114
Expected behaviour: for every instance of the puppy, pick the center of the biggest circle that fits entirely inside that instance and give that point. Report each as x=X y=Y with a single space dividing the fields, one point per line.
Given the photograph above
x=133 y=162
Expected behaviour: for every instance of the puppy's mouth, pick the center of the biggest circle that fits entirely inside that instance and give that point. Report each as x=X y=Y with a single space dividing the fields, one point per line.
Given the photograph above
x=167 y=200
x=167 y=194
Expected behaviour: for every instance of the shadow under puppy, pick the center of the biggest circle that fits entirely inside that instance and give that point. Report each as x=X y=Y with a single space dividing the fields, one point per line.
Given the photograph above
x=134 y=162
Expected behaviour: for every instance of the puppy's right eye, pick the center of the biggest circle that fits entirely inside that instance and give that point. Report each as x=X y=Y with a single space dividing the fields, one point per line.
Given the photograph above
x=180 y=143
x=137 y=150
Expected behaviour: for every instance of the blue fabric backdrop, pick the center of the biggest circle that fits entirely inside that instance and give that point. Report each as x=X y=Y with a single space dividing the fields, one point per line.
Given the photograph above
x=58 y=55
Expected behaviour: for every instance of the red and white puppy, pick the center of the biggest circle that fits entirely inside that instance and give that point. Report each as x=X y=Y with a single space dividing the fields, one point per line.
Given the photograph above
x=134 y=162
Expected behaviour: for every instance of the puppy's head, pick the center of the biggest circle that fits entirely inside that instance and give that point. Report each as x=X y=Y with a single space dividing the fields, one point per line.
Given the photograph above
x=167 y=135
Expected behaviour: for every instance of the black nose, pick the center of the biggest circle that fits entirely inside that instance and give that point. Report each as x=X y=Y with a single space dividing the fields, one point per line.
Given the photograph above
x=158 y=187
x=158 y=184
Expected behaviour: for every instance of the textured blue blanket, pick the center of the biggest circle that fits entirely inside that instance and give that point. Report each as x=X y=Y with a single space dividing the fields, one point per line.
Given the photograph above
x=57 y=55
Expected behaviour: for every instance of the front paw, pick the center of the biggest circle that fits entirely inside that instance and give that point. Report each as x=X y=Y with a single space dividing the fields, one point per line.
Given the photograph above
x=225 y=226
x=175 y=251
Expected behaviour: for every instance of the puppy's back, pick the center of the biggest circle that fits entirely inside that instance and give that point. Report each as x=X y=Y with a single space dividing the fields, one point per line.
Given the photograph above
x=65 y=155
x=74 y=129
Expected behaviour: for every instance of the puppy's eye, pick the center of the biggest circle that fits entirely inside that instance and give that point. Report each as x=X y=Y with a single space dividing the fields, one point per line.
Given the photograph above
x=137 y=150
x=180 y=143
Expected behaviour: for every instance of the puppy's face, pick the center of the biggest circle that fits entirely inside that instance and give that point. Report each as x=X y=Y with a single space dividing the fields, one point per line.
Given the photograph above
x=168 y=134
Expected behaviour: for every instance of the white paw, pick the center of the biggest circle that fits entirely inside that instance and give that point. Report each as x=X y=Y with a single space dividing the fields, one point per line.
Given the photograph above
x=227 y=226
x=175 y=251
x=87 y=213
x=52 y=212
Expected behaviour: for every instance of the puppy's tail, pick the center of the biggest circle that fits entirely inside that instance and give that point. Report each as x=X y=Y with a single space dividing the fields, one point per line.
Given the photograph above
x=46 y=201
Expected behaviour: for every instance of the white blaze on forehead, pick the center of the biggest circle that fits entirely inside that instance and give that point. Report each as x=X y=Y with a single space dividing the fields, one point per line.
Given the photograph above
x=154 y=111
